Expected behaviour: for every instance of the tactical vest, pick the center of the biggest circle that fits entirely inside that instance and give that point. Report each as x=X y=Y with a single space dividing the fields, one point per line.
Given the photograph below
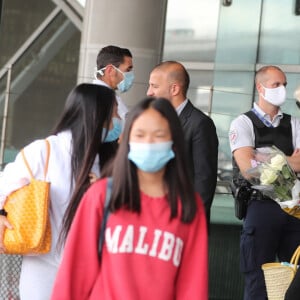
x=280 y=136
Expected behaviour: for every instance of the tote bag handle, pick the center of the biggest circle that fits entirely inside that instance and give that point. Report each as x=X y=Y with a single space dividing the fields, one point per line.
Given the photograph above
x=46 y=164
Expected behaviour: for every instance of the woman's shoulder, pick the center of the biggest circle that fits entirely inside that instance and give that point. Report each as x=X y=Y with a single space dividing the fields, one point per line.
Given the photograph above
x=39 y=145
x=99 y=184
x=35 y=145
x=35 y=153
x=59 y=147
x=61 y=140
x=98 y=189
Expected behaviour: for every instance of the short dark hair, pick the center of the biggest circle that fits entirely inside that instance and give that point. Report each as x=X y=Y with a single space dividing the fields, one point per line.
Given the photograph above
x=125 y=192
x=112 y=55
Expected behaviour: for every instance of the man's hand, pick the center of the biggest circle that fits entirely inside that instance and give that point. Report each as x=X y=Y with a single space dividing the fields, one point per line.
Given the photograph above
x=294 y=160
x=93 y=177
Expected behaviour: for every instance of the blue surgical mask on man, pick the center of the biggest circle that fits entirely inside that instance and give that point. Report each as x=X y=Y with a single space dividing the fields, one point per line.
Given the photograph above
x=151 y=157
x=124 y=85
x=114 y=133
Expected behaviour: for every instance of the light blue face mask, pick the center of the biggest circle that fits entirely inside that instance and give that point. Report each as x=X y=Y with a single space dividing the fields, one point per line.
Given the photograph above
x=127 y=81
x=151 y=157
x=114 y=133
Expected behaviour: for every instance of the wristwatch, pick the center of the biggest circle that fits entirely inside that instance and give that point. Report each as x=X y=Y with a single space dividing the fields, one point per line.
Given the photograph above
x=3 y=212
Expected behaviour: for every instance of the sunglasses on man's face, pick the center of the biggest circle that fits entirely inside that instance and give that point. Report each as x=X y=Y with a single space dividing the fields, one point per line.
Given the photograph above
x=298 y=104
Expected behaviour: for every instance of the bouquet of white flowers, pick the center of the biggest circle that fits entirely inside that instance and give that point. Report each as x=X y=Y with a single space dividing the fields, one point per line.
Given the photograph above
x=272 y=175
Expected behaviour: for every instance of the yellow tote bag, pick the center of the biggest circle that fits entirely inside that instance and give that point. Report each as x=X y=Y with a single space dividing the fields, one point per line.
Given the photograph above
x=28 y=212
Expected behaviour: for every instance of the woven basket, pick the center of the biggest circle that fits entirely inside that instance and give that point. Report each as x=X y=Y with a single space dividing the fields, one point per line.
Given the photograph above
x=278 y=277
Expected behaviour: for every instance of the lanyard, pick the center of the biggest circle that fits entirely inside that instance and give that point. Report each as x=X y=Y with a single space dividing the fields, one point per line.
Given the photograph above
x=265 y=121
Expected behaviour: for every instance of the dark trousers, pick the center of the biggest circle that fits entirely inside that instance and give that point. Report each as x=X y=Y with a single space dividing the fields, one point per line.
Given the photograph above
x=268 y=233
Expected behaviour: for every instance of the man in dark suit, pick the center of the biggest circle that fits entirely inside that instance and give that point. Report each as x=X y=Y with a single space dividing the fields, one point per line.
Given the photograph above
x=170 y=80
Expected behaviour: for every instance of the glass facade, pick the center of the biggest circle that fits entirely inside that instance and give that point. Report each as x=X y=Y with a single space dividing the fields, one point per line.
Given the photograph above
x=190 y=37
x=221 y=43
x=222 y=46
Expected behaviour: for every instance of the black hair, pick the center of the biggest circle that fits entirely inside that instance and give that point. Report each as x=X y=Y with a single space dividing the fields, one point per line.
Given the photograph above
x=112 y=55
x=125 y=193
x=88 y=109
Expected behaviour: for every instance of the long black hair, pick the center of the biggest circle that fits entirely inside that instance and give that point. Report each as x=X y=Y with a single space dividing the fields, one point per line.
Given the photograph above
x=88 y=109
x=126 y=194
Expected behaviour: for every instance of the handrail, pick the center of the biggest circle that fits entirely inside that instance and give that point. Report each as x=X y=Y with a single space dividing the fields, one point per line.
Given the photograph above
x=5 y=116
x=29 y=41
x=71 y=12
x=7 y=69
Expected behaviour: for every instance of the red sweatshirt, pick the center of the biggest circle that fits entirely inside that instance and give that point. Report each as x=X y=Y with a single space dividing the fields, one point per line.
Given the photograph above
x=145 y=256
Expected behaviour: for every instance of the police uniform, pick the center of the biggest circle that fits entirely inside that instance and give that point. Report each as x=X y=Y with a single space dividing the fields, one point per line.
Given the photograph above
x=268 y=232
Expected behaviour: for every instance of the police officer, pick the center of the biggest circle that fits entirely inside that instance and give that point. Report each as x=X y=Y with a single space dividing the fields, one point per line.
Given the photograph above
x=268 y=232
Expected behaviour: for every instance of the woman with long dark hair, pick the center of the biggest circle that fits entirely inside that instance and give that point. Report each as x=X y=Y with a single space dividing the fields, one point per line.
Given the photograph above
x=155 y=237
x=88 y=120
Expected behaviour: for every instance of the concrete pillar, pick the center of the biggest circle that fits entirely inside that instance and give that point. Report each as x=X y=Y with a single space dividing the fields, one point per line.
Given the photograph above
x=138 y=25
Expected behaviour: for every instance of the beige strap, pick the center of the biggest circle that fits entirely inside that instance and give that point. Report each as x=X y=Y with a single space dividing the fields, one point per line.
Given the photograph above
x=47 y=160
x=295 y=258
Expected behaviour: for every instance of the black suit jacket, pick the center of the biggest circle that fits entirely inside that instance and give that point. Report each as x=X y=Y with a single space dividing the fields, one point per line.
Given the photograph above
x=202 y=152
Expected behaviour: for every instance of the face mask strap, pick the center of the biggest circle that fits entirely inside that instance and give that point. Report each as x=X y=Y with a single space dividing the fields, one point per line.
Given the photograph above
x=119 y=71
x=100 y=72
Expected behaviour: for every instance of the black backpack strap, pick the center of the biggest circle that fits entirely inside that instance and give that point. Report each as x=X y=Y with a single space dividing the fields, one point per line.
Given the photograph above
x=105 y=215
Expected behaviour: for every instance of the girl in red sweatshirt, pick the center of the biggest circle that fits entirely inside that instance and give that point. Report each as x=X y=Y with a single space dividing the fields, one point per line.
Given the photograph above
x=155 y=237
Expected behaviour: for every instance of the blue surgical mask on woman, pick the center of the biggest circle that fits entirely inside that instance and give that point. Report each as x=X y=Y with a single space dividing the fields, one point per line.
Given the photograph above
x=114 y=133
x=151 y=157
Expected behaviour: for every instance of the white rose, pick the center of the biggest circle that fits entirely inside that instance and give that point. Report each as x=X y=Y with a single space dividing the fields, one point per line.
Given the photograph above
x=268 y=176
x=277 y=162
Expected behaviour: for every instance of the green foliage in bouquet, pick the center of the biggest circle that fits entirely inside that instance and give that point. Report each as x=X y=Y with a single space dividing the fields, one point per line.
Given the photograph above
x=284 y=183
x=276 y=178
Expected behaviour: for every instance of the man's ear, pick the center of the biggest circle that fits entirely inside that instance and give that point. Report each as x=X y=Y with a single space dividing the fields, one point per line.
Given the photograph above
x=109 y=69
x=259 y=87
x=175 y=89
x=297 y=94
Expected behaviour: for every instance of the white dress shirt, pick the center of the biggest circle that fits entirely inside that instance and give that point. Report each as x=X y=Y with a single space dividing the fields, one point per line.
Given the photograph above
x=122 y=108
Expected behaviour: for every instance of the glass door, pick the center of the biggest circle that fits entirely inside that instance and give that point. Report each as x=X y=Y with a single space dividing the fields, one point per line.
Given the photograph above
x=279 y=44
x=251 y=33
